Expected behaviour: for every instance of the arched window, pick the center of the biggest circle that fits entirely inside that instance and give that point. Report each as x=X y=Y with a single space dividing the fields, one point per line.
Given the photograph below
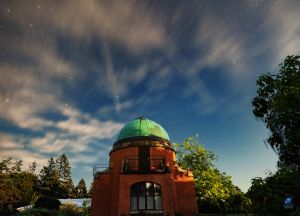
x=144 y=196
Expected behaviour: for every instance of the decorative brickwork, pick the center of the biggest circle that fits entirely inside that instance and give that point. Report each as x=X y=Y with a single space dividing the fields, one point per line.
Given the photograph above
x=142 y=178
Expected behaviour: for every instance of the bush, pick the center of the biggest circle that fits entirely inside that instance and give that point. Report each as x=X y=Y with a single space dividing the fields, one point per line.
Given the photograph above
x=65 y=210
x=38 y=212
x=208 y=206
x=47 y=202
x=69 y=210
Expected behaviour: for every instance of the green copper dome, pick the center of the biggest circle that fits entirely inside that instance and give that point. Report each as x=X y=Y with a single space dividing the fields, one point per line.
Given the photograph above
x=142 y=127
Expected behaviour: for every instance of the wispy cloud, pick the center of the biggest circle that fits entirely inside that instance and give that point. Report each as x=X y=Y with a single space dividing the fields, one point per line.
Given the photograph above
x=117 y=107
x=283 y=20
x=74 y=136
x=223 y=45
x=34 y=83
x=11 y=148
x=31 y=87
x=124 y=57
x=235 y=47
x=117 y=82
x=126 y=23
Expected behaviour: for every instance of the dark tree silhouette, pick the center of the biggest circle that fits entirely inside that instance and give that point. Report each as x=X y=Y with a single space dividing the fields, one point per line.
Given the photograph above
x=80 y=189
x=278 y=106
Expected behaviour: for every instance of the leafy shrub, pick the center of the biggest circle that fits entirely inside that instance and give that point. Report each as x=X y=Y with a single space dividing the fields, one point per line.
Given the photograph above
x=38 y=212
x=69 y=210
x=65 y=210
x=86 y=211
x=209 y=206
x=47 y=202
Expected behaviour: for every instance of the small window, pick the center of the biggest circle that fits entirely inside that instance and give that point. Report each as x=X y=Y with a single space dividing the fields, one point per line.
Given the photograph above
x=145 y=196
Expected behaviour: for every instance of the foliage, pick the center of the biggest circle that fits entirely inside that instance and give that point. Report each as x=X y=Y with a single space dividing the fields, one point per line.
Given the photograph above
x=70 y=210
x=49 y=184
x=267 y=195
x=65 y=210
x=215 y=190
x=23 y=187
x=47 y=202
x=86 y=210
x=55 y=179
x=17 y=187
x=38 y=212
x=278 y=106
x=80 y=190
x=64 y=172
x=90 y=192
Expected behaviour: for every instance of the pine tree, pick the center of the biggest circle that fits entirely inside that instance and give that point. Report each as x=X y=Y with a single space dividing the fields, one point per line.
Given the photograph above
x=49 y=182
x=90 y=193
x=64 y=171
x=80 y=189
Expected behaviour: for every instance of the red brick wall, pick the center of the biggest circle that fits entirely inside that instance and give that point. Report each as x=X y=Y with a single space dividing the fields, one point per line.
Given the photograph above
x=111 y=194
x=164 y=180
x=115 y=163
x=101 y=199
x=168 y=153
x=185 y=196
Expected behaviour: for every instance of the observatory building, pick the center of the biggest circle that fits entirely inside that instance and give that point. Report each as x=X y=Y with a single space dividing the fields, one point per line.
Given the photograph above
x=142 y=177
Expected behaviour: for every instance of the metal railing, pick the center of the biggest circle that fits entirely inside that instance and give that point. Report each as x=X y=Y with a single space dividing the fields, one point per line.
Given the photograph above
x=100 y=168
x=133 y=165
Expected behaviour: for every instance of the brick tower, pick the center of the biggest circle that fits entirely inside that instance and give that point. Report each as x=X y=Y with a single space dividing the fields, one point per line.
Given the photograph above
x=142 y=177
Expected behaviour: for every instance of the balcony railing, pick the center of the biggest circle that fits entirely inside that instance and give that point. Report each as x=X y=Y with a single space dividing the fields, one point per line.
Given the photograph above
x=100 y=168
x=132 y=164
x=150 y=165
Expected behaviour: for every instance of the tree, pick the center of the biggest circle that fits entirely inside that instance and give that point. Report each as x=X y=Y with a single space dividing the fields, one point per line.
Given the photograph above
x=49 y=183
x=277 y=104
x=55 y=179
x=10 y=194
x=90 y=192
x=17 y=187
x=32 y=167
x=64 y=171
x=267 y=195
x=257 y=193
x=80 y=189
x=214 y=189
x=47 y=202
x=4 y=165
x=22 y=188
x=28 y=187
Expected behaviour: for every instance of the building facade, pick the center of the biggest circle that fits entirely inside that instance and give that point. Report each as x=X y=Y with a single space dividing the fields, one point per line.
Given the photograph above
x=142 y=177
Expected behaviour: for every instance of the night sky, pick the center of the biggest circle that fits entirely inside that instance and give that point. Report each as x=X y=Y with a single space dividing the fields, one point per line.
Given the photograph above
x=72 y=73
